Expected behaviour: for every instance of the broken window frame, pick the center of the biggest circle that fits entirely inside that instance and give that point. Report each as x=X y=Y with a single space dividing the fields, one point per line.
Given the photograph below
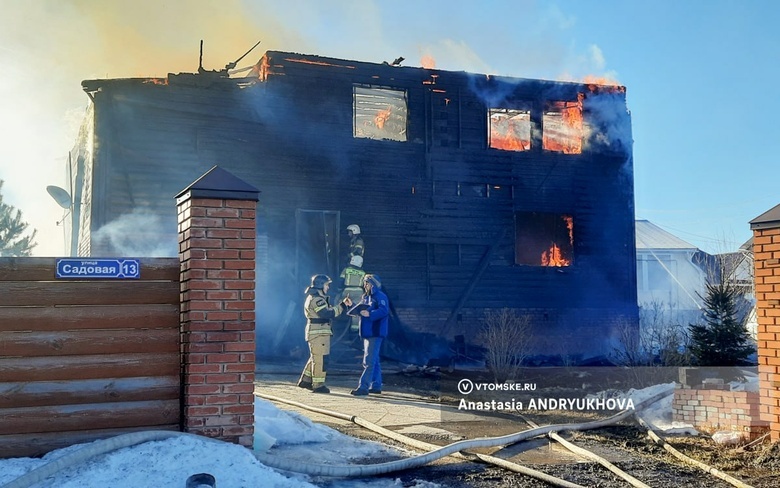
x=533 y=232
x=379 y=113
x=509 y=129
x=563 y=127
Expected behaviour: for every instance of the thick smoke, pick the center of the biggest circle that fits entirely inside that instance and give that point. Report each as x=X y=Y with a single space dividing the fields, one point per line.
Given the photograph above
x=612 y=124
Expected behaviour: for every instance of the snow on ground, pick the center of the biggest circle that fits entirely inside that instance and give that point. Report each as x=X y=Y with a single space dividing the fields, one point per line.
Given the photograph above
x=170 y=462
x=659 y=414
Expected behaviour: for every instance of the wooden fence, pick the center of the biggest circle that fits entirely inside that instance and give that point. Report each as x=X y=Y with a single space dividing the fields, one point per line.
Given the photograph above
x=86 y=359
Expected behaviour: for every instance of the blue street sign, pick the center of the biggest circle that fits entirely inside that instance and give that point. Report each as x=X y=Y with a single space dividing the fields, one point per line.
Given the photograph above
x=98 y=268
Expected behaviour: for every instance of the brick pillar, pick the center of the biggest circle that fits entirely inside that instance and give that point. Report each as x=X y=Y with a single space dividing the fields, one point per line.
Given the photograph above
x=217 y=233
x=766 y=259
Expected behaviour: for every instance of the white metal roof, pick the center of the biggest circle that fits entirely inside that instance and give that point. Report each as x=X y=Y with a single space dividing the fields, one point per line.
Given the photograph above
x=650 y=236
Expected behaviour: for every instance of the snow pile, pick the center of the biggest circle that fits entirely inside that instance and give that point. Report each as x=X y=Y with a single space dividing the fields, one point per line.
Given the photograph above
x=172 y=461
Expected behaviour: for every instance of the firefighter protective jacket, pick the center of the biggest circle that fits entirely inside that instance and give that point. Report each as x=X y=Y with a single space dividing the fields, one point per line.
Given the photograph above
x=356 y=246
x=319 y=313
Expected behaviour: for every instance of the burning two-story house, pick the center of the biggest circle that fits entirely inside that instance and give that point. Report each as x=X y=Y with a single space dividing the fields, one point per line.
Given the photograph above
x=474 y=192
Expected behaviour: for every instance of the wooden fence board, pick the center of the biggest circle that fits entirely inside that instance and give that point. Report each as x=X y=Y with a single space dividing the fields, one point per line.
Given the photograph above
x=38 y=393
x=150 y=316
x=36 y=444
x=59 y=418
x=42 y=269
x=88 y=367
x=85 y=342
x=96 y=292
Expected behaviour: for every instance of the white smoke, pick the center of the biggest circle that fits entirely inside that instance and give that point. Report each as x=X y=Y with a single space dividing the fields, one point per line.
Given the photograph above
x=138 y=234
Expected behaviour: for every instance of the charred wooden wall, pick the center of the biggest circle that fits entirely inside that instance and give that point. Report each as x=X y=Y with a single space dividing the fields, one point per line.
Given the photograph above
x=86 y=359
x=442 y=252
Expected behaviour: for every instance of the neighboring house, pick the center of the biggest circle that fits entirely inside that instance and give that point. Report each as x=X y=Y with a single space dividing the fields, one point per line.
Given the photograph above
x=474 y=192
x=738 y=269
x=671 y=274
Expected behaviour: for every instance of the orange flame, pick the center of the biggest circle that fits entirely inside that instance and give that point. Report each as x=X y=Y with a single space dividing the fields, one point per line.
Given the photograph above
x=428 y=62
x=510 y=132
x=382 y=116
x=603 y=85
x=157 y=81
x=567 y=136
x=599 y=80
x=554 y=257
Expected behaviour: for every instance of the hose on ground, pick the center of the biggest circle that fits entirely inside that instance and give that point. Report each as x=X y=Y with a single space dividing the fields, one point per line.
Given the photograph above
x=593 y=457
x=126 y=440
x=424 y=446
x=91 y=450
x=345 y=471
x=674 y=452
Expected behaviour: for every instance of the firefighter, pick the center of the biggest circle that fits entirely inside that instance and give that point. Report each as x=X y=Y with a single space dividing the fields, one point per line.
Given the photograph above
x=319 y=314
x=356 y=245
x=351 y=282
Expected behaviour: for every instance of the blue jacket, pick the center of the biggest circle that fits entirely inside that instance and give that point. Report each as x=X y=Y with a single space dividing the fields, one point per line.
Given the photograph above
x=375 y=325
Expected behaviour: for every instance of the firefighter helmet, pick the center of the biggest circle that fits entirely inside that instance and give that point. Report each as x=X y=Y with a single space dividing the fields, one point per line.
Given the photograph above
x=354 y=228
x=373 y=279
x=319 y=281
x=356 y=261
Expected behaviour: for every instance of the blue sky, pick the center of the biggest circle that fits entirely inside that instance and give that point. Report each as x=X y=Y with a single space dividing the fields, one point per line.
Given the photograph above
x=700 y=78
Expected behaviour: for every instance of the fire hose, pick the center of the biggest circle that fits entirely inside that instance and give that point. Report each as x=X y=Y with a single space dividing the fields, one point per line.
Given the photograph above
x=709 y=469
x=127 y=440
x=438 y=452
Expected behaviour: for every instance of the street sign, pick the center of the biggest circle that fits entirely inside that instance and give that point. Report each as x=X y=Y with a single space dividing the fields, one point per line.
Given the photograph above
x=98 y=268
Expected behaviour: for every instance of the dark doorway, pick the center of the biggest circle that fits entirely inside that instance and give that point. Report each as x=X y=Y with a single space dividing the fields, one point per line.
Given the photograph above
x=317 y=244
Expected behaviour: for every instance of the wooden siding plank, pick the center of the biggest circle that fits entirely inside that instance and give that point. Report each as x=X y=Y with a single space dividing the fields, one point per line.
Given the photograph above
x=37 y=444
x=39 y=393
x=60 y=418
x=43 y=269
x=83 y=342
x=88 y=367
x=49 y=293
x=76 y=317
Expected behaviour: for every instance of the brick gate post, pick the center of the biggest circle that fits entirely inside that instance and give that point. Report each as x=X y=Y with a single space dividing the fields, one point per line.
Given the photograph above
x=217 y=232
x=766 y=262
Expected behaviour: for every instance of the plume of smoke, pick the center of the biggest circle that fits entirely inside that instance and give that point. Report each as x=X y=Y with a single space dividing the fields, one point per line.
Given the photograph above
x=613 y=121
x=139 y=233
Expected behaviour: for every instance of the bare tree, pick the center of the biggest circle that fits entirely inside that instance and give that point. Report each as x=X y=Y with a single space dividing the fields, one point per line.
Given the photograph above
x=507 y=337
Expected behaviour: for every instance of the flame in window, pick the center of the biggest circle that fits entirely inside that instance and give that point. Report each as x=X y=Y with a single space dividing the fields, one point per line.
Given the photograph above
x=382 y=116
x=554 y=257
x=563 y=126
x=510 y=129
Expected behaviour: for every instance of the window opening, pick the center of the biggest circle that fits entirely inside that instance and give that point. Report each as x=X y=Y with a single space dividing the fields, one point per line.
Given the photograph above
x=544 y=239
x=509 y=129
x=379 y=113
x=562 y=127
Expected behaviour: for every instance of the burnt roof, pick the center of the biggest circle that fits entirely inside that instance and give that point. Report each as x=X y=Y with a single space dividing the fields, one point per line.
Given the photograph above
x=289 y=59
x=767 y=220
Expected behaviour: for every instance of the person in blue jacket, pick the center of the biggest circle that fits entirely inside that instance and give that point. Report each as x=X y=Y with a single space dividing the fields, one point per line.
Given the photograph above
x=373 y=329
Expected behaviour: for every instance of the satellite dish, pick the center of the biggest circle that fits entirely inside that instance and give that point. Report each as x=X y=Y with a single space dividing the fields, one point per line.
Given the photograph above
x=59 y=195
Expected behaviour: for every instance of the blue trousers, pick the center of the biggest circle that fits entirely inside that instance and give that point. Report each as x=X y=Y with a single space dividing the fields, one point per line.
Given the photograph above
x=372 y=371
